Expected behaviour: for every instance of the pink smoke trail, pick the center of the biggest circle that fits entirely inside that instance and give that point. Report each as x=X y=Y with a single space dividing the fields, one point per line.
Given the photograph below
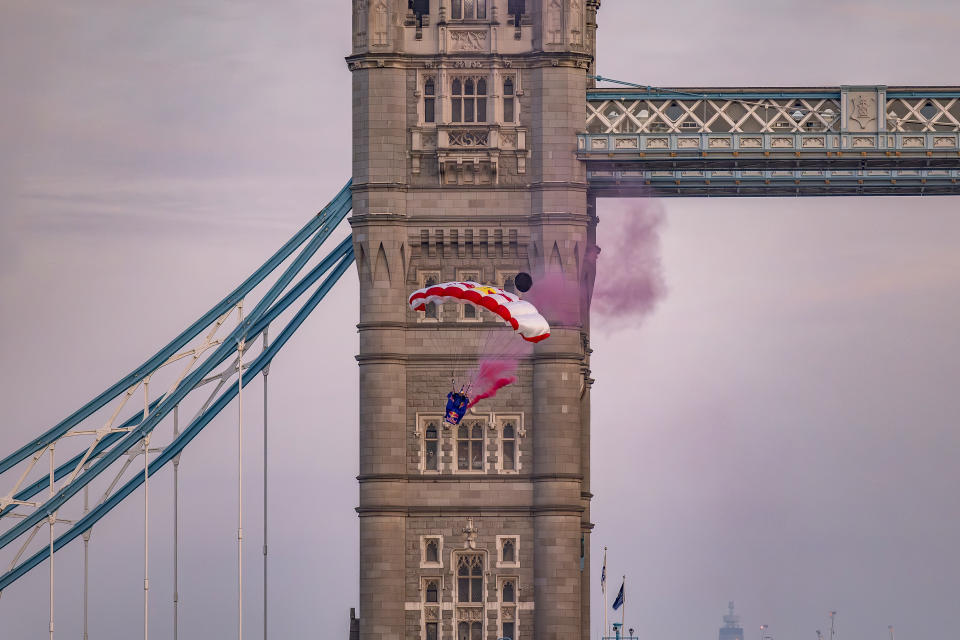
x=556 y=298
x=629 y=281
x=492 y=374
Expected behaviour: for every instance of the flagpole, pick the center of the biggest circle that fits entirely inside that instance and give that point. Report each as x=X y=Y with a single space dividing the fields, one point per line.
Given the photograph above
x=603 y=583
x=623 y=607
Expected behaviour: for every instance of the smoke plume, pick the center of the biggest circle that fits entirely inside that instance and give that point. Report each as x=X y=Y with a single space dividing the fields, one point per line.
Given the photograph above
x=629 y=280
x=491 y=376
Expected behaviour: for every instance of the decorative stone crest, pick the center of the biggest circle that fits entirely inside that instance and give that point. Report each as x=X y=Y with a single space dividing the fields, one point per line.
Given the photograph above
x=468 y=138
x=468 y=40
x=470 y=614
x=862 y=110
x=471 y=535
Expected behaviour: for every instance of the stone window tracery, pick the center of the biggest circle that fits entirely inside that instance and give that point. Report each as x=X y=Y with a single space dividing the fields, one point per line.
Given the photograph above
x=468 y=99
x=470 y=596
x=431 y=552
x=468 y=9
x=432 y=311
x=469 y=312
x=509 y=431
x=508 y=551
x=508 y=608
x=470 y=446
x=509 y=113
x=429 y=100
x=431 y=588
x=431 y=447
x=470 y=577
x=509 y=447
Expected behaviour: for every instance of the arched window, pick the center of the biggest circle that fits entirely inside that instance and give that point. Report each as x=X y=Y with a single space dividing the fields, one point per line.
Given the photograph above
x=508 y=111
x=431 y=443
x=508 y=597
x=432 y=553
x=509 y=447
x=468 y=99
x=470 y=578
x=429 y=101
x=509 y=592
x=432 y=592
x=470 y=447
x=430 y=310
x=468 y=9
x=509 y=551
x=470 y=631
x=469 y=311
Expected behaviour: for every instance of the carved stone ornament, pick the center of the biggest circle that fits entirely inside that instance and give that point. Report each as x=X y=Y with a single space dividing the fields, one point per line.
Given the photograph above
x=470 y=614
x=432 y=614
x=862 y=110
x=468 y=40
x=507 y=613
x=468 y=138
x=464 y=64
x=471 y=535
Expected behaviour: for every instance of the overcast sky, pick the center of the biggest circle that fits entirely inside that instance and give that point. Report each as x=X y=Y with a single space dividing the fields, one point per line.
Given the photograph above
x=781 y=431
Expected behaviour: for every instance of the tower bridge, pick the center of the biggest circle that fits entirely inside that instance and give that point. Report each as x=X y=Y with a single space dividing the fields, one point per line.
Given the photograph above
x=480 y=145
x=849 y=140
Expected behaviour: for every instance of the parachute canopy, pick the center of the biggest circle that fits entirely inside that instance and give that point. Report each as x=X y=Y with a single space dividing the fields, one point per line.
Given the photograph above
x=519 y=314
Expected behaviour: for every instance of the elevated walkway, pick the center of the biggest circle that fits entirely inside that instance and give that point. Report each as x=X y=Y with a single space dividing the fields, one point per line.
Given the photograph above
x=871 y=140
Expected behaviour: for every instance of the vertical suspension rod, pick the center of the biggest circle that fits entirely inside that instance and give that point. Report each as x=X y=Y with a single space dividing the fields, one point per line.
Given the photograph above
x=86 y=562
x=240 y=346
x=52 y=518
x=146 y=537
x=176 y=526
x=146 y=514
x=266 y=371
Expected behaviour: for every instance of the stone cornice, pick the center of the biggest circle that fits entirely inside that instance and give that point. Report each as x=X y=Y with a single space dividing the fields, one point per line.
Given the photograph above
x=553 y=509
x=400 y=358
x=528 y=60
x=468 y=478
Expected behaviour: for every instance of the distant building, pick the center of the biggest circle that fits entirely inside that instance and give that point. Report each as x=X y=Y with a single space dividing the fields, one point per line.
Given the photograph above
x=731 y=629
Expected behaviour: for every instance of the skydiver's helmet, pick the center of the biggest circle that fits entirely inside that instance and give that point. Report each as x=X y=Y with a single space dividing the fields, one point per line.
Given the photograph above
x=456 y=408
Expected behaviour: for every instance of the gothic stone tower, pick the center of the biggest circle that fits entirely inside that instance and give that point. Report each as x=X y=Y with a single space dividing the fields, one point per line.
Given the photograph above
x=465 y=115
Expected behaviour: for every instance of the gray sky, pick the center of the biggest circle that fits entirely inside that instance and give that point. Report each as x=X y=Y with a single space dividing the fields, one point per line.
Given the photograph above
x=780 y=431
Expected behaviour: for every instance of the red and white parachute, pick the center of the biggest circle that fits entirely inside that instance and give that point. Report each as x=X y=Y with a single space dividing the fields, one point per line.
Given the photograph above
x=519 y=314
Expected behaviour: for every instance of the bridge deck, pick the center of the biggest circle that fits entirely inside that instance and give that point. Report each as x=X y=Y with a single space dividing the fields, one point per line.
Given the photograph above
x=765 y=142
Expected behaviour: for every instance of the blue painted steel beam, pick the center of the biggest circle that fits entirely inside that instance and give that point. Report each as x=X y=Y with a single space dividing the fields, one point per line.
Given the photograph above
x=190 y=432
x=229 y=345
x=601 y=94
x=138 y=374
x=67 y=467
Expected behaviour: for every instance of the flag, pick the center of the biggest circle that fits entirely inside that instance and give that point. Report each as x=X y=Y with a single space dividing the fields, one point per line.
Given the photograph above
x=603 y=572
x=619 y=601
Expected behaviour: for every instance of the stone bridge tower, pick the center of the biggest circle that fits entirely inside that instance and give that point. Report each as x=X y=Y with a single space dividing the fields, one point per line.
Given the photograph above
x=465 y=115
